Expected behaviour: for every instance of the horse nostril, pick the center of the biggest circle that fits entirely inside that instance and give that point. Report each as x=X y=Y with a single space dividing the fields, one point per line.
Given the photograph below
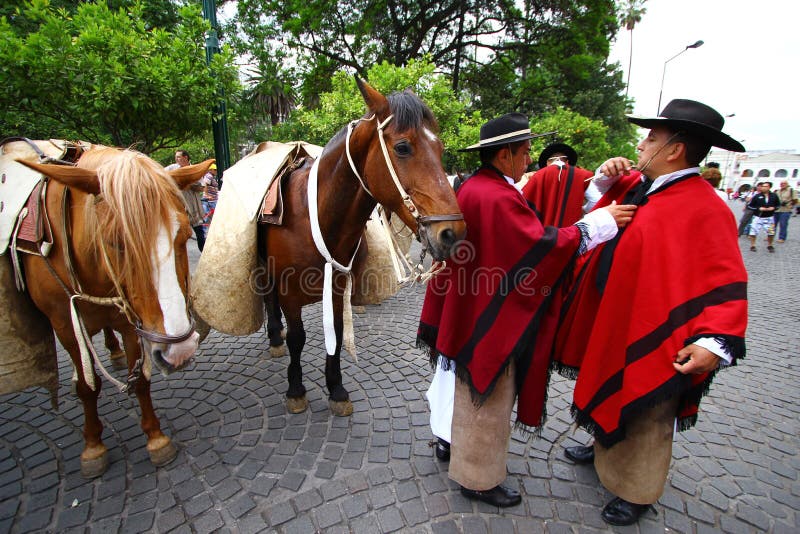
x=447 y=238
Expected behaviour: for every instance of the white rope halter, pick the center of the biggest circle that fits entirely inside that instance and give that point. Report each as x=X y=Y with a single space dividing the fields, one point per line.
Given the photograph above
x=415 y=273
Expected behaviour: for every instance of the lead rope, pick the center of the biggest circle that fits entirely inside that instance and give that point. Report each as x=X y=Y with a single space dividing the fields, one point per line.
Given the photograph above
x=85 y=346
x=404 y=270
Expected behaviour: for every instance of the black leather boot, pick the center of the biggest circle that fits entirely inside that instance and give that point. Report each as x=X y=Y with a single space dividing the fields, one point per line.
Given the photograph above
x=580 y=454
x=443 y=450
x=499 y=496
x=621 y=512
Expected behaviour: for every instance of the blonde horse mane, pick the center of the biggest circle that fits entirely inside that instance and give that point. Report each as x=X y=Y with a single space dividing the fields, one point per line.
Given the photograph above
x=137 y=197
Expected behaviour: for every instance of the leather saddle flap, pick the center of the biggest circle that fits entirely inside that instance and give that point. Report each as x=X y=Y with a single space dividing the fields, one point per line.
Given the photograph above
x=272 y=207
x=33 y=228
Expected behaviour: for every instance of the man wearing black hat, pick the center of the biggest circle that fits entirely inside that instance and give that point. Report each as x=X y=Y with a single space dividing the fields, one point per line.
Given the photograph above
x=557 y=189
x=656 y=310
x=485 y=313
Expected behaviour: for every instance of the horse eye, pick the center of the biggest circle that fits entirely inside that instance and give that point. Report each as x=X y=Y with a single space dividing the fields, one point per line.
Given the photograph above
x=402 y=149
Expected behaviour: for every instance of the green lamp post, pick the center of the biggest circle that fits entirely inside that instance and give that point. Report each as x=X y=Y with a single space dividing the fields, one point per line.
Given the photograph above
x=219 y=120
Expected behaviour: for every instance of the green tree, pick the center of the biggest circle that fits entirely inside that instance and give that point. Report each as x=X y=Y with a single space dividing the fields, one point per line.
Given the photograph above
x=458 y=127
x=500 y=55
x=466 y=39
x=156 y=13
x=109 y=76
x=630 y=15
x=586 y=136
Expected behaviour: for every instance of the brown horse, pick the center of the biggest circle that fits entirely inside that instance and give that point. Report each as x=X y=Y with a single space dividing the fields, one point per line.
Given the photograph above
x=119 y=257
x=391 y=156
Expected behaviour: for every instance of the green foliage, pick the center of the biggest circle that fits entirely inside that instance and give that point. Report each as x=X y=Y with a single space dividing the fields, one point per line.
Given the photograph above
x=586 y=136
x=458 y=127
x=498 y=55
x=108 y=76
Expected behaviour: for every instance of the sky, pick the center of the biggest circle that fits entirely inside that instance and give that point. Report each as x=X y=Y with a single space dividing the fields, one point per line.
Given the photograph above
x=749 y=64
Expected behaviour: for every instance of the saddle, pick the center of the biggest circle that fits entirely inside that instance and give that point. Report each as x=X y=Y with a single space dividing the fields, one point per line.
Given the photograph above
x=272 y=207
x=271 y=211
x=24 y=191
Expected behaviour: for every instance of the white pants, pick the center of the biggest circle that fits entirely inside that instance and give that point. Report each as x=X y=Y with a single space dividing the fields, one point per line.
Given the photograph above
x=440 y=396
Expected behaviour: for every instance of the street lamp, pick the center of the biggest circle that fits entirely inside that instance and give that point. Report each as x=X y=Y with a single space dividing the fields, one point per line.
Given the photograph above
x=696 y=44
x=219 y=118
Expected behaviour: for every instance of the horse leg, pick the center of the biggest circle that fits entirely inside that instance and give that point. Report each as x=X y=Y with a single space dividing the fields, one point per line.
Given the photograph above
x=159 y=447
x=112 y=344
x=338 y=398
x=275 y=332
x=94 y=458
x=296 y=401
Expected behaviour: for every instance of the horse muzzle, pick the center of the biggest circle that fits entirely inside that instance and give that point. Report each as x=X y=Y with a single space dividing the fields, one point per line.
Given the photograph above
x=171 y=353
x=440 y=233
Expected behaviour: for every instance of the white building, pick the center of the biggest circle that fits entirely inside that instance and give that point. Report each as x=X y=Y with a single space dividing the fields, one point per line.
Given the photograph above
x=741 y=171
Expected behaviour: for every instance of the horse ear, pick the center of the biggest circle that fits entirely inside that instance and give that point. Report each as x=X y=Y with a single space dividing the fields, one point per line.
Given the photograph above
x=83 y=179
x=185 y=176
x=376 y=102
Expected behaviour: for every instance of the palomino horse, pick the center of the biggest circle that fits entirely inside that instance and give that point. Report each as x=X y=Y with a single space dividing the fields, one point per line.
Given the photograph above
x=391 y=156
x=119 y=257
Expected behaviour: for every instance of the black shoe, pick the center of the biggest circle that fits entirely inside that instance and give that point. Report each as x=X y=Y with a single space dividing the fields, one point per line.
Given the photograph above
x=580 y=454
x=621 y=512
x=499 y=496
x=443 y=450
x=771 y=248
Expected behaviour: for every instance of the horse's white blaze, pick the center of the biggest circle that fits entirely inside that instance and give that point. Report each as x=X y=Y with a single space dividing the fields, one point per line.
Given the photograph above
x=170 y=296
x=432 y=136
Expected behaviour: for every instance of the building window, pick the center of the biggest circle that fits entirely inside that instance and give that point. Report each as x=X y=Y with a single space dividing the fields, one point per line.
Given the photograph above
x=781 y=173
x=747 y=173
x=794 y=173
x=763 y=173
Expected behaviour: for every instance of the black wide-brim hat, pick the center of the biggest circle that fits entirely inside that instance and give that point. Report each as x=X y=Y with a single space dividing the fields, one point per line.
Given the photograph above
x=694 y=118
x=555 y=148
x=510 y=128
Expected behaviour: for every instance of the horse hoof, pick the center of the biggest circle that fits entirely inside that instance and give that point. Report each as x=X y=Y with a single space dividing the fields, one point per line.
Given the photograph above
x=277 y=352
x=118 y=360
x=163 y=454
x=341 y=408
x=359 y=309
x=94 y=467
x=296 y=404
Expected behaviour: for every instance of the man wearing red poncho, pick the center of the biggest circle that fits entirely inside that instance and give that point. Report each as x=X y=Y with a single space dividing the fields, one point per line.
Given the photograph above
x=485 y=313
x=652 y=313
x=557 y=189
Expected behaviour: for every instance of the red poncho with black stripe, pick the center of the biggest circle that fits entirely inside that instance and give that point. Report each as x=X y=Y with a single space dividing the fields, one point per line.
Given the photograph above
x=490 y=304
x=675 y=275
x=557 y=194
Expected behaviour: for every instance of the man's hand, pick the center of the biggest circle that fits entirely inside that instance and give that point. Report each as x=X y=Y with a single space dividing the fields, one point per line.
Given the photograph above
x=622 y=213
x=616 y=167
x=695 y=360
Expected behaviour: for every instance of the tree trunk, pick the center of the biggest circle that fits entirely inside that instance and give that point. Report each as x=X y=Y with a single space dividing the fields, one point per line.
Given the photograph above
x=630 y=62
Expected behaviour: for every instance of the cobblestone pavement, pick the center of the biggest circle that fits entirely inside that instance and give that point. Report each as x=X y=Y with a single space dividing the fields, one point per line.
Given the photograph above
x=246 y=466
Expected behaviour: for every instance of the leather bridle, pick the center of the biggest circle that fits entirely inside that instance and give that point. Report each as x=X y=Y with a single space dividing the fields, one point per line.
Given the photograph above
x=406 y=198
